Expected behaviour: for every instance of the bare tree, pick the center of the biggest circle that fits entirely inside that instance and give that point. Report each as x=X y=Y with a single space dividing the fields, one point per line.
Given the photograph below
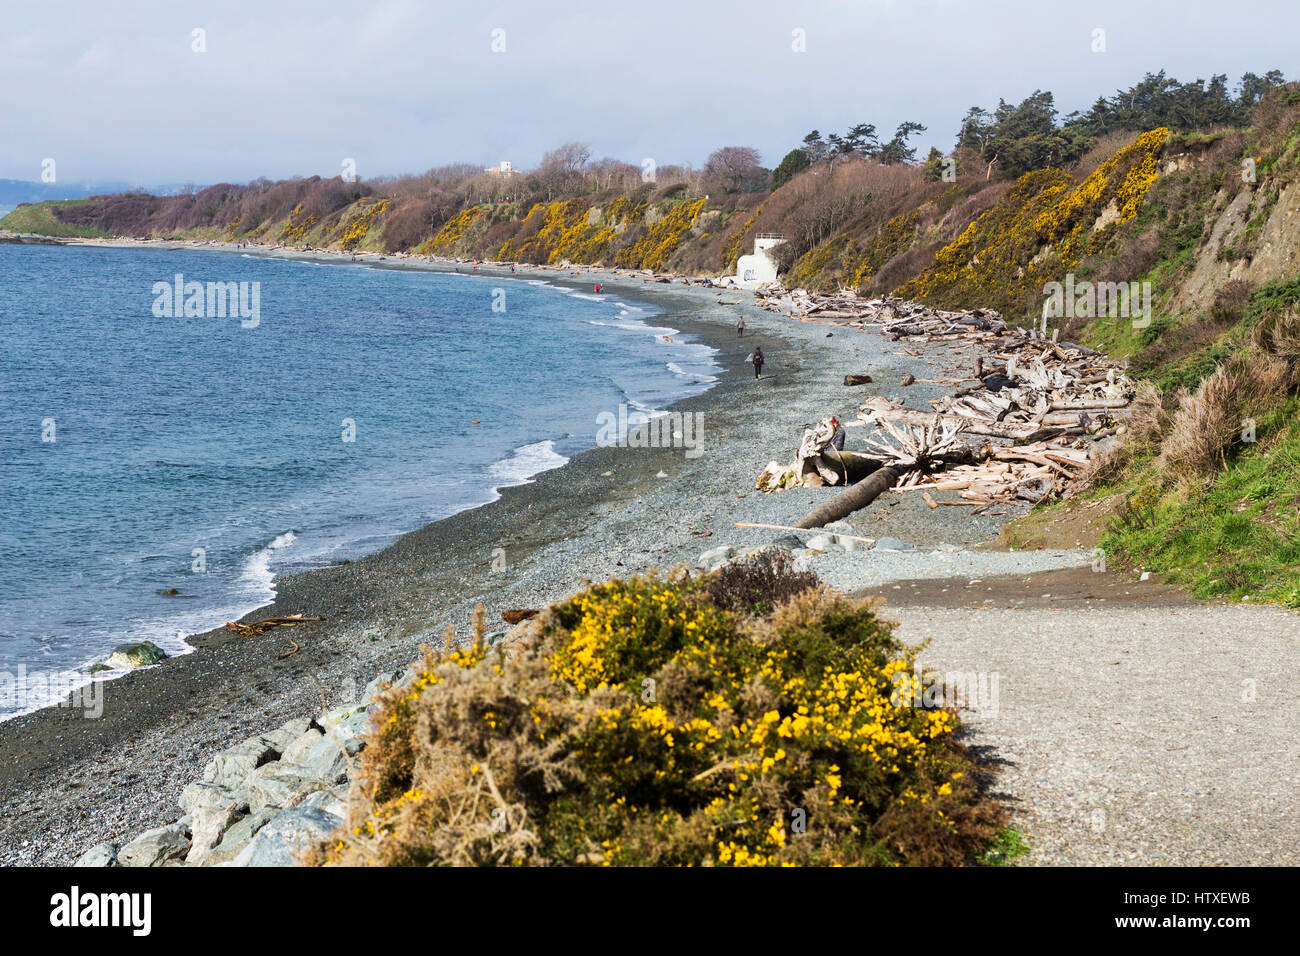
x=562 y=168
x=734 y=169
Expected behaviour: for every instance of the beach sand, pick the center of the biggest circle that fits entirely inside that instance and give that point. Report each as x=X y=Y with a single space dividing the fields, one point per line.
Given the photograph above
x=68 y=782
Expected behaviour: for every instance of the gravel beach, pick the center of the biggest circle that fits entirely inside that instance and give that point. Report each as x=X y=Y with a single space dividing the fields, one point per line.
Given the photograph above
x=1120 y=704
x=68 y=782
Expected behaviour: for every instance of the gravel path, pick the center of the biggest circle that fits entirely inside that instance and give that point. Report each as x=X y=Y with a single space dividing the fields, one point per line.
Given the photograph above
x=1155 y=735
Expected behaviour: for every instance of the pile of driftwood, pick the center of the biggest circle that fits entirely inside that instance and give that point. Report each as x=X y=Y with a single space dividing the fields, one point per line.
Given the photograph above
x=1034 y=405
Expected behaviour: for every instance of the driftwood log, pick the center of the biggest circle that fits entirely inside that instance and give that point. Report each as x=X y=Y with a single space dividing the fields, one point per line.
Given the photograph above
x=853 y=498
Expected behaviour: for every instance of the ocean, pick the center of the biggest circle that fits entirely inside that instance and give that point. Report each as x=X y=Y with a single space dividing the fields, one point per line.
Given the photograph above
x=144 y=450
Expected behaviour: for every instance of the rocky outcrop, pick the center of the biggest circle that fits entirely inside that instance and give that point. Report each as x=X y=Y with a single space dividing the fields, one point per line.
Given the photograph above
x=263 y=801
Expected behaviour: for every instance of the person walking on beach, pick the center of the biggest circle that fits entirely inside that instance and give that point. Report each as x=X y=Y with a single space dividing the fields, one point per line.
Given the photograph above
x=758 y=363
x=740 y=326
x=837 y=438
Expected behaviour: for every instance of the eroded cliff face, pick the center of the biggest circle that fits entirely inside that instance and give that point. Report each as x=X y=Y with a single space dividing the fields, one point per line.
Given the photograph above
x=1231 y=251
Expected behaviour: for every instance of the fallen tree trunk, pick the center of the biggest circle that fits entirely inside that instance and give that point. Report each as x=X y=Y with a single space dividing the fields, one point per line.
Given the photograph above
x=852 y=499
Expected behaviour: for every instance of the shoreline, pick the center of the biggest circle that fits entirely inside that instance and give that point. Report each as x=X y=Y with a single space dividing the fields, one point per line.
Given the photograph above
x=69 y=783
x=646 y=312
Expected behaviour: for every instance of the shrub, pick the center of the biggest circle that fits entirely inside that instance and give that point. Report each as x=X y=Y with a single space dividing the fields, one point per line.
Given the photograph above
x=757 y=584
x=1147 y=424
x=1230 y=301
x=1248 y=385
x=639 y=723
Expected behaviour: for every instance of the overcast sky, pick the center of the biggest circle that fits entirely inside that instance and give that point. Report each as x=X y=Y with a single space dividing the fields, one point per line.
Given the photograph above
x=115 y=90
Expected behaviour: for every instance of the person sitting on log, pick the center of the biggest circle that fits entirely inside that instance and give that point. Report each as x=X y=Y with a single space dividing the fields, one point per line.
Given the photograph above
x=837 y=439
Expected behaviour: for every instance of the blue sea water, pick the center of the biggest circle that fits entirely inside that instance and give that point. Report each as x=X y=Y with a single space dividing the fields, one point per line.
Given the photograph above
x=180 y=442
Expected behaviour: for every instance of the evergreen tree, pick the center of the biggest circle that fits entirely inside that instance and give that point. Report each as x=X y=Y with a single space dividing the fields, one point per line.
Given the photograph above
x=794 y=162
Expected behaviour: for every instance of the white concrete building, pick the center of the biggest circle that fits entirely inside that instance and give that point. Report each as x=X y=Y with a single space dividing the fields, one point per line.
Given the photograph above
x=760 y=268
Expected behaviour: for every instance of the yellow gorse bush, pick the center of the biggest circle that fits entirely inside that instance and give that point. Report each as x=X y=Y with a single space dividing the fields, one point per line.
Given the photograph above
x=637 y=723
x=1042 y=228
x=445 y=241
x=355 y=228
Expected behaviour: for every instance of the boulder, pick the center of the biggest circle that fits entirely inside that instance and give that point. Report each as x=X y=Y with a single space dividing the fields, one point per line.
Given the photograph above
x=372 y=689
x=893 y=544
x=297 y=750
x=103 y=854
x=824 y=542
x=283 y=840
x=207 y=827
x=327 y=801
x=205 y=795
x=279 y=740
x=136 y=654
x=231 y=767
x=276 y=787
x=715 y=558
x=156 y=847
x=234 y=840
x=324 y=763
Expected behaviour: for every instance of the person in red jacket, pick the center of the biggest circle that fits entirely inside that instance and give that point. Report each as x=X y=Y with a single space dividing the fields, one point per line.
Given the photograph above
x=758 y=363
x=838 y=436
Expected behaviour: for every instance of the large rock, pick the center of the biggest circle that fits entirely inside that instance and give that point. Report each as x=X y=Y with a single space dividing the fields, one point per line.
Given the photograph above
x=324 y=800
x=202 y=794
x=207 y=826
x=234 y=840
x=136 y=654
x=824 y=542
x=279 y=740
x=156 y=847
x=839 y=528
x=275 y=787
x=303 y=743
x=103 y=854
x=283 y=840
x=893 y=544
x=715 y=558
x=326 y=762
x=372 y=689
x=231 y=767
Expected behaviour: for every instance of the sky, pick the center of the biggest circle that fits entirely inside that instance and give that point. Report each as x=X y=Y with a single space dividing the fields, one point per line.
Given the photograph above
x=122 y=90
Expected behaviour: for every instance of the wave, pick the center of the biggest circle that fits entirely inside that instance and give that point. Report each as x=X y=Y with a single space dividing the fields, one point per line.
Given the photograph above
x=257 y=574
x=525 y=462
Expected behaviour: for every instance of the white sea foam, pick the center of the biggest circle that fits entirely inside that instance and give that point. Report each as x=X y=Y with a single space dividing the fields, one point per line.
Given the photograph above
x=527 y=461
x=256 y=573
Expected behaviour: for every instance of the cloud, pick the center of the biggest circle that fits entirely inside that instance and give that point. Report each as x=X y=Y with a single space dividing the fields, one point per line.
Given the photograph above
x=115 y=91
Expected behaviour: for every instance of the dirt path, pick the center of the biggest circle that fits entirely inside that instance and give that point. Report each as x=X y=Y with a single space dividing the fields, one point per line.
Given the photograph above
x=1133 y=725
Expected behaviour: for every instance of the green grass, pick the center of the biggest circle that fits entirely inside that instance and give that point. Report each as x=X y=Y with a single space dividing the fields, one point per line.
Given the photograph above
x=39 y=218
x=1005 y=849
x=1237 y=537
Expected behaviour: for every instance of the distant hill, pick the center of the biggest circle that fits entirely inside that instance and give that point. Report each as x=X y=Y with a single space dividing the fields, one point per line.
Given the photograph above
x=15 y=191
